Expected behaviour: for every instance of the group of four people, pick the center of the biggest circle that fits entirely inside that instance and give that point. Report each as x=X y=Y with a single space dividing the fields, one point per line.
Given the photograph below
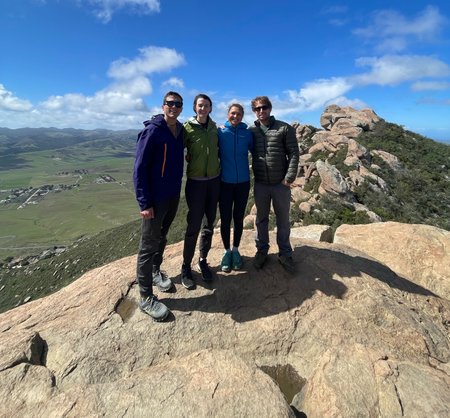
x=217 y=174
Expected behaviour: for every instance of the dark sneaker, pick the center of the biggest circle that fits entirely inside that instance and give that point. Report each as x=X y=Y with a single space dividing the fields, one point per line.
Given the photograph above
x=287 y=262
x=204 y=269
x=161 y=280
x=155 y=309
x=259 y=260
x=186 y=277
x=226 y=262
x=236 y=260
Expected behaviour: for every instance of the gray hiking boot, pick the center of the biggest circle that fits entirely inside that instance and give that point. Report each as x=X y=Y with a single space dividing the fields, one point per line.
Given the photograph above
x=161 y=280
x=154 y=308
x=287 y=262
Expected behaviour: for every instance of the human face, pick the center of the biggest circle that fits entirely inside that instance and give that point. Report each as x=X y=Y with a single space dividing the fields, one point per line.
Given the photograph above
x=262 y=112
x=171 y=112
x=235 y=116
x=202 y=109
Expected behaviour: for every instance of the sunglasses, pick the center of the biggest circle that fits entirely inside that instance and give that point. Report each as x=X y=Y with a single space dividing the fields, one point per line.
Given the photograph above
x=172 y=103
x=259 y=108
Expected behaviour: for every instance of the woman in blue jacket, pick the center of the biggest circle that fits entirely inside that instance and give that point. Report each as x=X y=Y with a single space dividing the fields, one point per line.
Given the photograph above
x=235 y=142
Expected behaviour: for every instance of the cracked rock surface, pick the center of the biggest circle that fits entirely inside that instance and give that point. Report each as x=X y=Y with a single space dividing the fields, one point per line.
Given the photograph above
x=363 y=337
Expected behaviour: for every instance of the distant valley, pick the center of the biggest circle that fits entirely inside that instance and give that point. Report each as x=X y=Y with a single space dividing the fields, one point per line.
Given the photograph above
x=57 y=185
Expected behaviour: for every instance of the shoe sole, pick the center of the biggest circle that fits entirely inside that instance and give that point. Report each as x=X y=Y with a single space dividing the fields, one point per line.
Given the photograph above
x=226 y=269
x=188 y=287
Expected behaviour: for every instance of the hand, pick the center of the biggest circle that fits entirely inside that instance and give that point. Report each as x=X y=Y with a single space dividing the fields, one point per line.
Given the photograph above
x=285 y=183
x=148 y=213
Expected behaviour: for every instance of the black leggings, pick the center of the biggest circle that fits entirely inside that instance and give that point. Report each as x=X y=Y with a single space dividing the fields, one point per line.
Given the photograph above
x=201 y=198
x=232 y=204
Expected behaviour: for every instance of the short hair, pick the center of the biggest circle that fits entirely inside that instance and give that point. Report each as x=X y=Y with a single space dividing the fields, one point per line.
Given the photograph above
x=238 y=105
x=172 y=93
x=263 y=99
x=201 y=96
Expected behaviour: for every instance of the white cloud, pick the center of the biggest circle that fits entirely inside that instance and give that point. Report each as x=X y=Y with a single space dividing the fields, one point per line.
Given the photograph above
x=151 y=59
x=10 y=102
x=393 y=32
x=316 y=93
x=119 y=105
x=174 y=82
x=430 y=85
x=105 y=9
x=396 y=69
x=119 y=98
x=387 y=70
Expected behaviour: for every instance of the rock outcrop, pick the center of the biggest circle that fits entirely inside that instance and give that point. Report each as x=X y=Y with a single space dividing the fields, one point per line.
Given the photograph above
x=341 y=128
x=352 y=333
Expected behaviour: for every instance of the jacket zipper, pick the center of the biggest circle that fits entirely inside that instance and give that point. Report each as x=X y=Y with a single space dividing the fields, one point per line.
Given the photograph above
x=164 y=160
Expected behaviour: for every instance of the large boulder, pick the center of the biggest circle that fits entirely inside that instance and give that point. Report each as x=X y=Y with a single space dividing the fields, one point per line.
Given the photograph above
x=352 y=333
x=419 y=252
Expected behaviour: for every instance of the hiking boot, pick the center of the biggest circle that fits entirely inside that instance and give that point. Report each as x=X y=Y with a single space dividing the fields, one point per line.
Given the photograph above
x=161 y=280
x=287 y=262
x=186 y=277
x=155 y=309
x=236 y=260
x=259 y=260
x=226 y=262
x=204 y=269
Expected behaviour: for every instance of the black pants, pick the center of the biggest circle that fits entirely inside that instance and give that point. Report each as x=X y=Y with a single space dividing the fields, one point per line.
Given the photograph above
x=153 y=242
x=201 y=197
x=232 y=204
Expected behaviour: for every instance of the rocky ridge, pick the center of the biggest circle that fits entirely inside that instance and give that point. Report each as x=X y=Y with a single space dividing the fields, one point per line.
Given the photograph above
x=341 y=128
x=361 y=330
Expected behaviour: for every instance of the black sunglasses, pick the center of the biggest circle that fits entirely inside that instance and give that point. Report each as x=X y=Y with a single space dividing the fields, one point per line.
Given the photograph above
x=257 y=109
x=172 y=103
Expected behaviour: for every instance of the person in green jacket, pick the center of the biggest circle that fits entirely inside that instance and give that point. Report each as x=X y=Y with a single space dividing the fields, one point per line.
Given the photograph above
x=202 y=188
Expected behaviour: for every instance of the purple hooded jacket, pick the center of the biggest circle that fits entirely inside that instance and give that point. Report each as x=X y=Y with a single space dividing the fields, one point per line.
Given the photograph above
x=158 y=167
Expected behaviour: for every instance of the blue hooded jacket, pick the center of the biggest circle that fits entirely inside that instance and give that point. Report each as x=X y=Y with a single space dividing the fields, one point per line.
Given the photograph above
x=234 y=146
x=158 y=167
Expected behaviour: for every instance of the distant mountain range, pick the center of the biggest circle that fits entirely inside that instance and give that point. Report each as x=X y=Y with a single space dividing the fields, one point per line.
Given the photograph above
x=13 y=141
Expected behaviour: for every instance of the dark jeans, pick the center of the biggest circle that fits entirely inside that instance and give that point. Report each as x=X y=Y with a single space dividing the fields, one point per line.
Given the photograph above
x=201 y=197
x=153 y=242
x=232 y=204
x=280 y=196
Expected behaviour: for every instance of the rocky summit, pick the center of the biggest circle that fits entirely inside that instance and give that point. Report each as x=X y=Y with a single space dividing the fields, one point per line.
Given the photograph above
x=361 y=330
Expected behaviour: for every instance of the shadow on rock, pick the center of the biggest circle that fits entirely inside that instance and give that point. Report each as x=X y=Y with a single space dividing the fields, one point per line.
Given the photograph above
x=251 y=294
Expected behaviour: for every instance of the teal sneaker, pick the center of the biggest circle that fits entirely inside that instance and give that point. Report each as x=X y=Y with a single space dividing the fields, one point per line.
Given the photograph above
x=226 y=262
x=236 y=260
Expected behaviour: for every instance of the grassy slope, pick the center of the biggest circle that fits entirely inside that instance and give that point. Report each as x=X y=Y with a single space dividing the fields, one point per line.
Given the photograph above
x=47 y=276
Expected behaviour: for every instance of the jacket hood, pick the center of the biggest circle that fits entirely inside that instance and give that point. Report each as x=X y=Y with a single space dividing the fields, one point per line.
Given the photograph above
x=193 y=121
x=241 y=125
x=155 y=120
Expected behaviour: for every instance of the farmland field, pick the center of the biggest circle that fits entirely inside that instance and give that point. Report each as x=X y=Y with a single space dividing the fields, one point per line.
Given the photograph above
x=54 y=196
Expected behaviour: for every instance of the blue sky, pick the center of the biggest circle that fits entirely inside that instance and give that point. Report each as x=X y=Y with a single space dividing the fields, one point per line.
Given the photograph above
x=106 y=63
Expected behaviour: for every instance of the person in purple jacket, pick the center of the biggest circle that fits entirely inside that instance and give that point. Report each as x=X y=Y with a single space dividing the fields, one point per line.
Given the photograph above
x=157 y=175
